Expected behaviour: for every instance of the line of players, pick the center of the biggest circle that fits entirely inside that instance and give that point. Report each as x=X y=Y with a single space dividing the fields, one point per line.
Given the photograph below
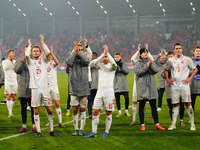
x=43 y=81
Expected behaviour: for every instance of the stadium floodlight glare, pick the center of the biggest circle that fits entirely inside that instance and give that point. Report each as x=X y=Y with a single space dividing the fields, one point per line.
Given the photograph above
x=50 y=14
x=101 y=7
x=158 y=0
x=160 y=5
x=97 y=1
x=130 y=5
x=24 y=14
x=191 y=3
x=133 y=11
x=193 y=9
x=14 y=4
x=69 y=2
x=77 y=13
x=105 y=11
x=73 y=7
x=163 y=10
x=127 y=1
x=41 y=3
x=19 y=9
x=46 y=9
x=9 y=0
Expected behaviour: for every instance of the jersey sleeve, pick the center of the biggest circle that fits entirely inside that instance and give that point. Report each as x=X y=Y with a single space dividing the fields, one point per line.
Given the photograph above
x=191 y=65
x=168 y=65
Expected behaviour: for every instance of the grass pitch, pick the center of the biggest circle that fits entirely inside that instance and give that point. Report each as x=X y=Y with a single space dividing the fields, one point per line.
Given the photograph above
x=122 y=135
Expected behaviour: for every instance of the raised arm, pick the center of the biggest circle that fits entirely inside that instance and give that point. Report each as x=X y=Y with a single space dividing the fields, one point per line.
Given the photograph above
x=89 y=51
x=46 y=49
x=134 y=57
x=28 y=52
x=54 y=57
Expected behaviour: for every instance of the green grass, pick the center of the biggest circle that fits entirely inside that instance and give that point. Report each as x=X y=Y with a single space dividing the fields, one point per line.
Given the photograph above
x=122 y=136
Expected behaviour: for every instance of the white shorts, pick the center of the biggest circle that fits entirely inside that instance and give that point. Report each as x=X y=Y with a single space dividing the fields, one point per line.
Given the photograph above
x=105 y=97
x=76 y=100
x=40 y=95
x=54 y=93
x=183 y=91
x=10 y=88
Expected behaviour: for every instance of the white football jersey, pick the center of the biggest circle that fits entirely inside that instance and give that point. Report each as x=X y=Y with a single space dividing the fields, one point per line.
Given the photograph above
x=37 y=70
x=8 y=68
x=52 y=73
x=180 y=68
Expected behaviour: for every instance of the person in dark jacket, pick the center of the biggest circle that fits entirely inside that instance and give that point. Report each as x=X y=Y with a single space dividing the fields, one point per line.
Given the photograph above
x=24 y=92
x=195 y=83
x=145 y=69
x=78 y=84
x=121 y=84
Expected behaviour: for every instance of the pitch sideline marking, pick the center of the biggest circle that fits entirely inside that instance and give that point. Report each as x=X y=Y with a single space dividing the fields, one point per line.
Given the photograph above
x=16 y=135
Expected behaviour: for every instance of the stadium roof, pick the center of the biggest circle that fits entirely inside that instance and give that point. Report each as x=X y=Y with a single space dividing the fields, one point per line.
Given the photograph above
x=95 y=8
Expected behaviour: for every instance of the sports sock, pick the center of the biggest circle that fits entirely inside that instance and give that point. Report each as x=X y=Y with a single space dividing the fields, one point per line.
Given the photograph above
x=59 y=114
x=134 y=110
x=83 y=118
x=119 y=111
x=50 y=122
x=126 y=110
x=190 y=113
x=95 y=122
x=9 y=106
x=24 y=125
x=108 y=123
x=37 y=122
x=174 y=114
x=75 y=118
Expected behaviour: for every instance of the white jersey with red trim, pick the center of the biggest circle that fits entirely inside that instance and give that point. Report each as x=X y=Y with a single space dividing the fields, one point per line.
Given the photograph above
x=8 y=68
x=180 y=68
x=37 y=69
x=52 y=73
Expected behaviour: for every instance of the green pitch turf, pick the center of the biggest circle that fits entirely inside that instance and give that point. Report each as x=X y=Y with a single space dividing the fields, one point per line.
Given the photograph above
x=122 y=135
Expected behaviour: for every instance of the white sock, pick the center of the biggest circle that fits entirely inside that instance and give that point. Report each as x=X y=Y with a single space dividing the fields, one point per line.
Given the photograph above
x=108 y=123
x=75 y=118
x=174 y=114
x=83 y=118
x=119 y=111
x=24 y=126
x=34 y=125
x=126 y=110
x=95 y=122
x=134 y=111
x=37 y=122
x=50 y=122
x=59 y=114
x=9 y=106
x=12 y=104
x=68 y=110
x=190 y=113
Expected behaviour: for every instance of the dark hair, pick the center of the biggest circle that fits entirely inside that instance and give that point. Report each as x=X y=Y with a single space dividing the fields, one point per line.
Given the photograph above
x=196 y=48
x=117 y=53
x=95 y=53
x=177 y=44
x=10 y=50
x=170 y=53
x=26 y=46
x=35 y=47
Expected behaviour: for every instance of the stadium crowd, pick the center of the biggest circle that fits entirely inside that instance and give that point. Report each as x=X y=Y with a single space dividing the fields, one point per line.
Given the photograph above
x=117 y=41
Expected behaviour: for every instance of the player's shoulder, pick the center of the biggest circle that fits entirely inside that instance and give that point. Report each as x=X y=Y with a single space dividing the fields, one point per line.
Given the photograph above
x=5 y=61
x=187 y=58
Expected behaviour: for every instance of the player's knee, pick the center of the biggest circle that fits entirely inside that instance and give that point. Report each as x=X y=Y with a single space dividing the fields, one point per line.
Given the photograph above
x=134 y=102
x=108 y=113
x=95 y=112
x=83 y=109
x=176 y=105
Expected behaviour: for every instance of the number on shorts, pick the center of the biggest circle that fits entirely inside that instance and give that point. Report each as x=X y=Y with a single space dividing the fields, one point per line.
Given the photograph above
x=110 y=105
x=49 y=101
